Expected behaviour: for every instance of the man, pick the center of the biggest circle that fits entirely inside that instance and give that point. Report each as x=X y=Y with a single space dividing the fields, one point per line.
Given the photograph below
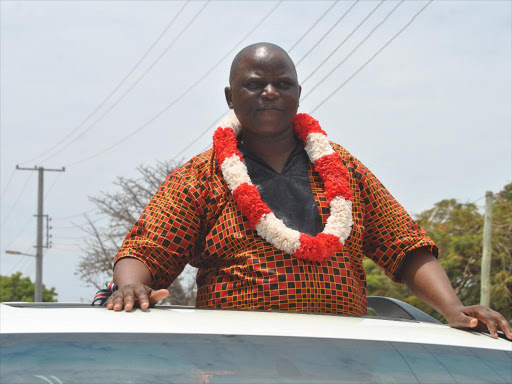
x=267 y=232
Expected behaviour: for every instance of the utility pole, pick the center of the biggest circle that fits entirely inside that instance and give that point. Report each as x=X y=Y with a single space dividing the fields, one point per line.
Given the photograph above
x=38 y=294
x=485 y=286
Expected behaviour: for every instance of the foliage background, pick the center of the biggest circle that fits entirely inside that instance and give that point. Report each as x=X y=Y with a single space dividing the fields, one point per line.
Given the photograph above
x=17 y=288
x=457 y=230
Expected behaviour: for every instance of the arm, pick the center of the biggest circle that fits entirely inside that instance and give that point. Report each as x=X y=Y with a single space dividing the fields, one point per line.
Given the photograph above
x=134 y=280
x=426 y=278
x=159 y=244
x=396 y=244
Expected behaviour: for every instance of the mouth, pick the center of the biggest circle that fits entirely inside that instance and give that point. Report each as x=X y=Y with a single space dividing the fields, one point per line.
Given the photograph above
x=269 y=108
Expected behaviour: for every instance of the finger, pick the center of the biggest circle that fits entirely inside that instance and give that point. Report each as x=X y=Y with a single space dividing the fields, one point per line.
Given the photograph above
x=464 y=321
x=110 y=302
x=504 y=325
x=493 y=329
x=489 y=320
x=118 y=301
x=158 y=295
x=129 y=300
x=142 y=296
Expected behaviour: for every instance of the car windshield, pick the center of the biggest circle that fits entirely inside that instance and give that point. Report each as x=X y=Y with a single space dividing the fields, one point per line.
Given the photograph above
x=202 y=359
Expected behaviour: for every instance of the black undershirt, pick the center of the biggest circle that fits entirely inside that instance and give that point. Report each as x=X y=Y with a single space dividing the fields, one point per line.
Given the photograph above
x=288 y=194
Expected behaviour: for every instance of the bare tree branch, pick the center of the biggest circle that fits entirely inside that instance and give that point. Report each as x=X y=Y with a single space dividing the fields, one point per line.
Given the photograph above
x=122 y=208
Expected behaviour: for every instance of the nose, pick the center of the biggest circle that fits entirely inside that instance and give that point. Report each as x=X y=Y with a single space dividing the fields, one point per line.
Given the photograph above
x=270 y=92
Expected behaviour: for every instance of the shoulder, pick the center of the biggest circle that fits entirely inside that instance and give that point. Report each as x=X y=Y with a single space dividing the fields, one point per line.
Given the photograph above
x=199 y=164
x=199 y=176
x=201 y=169
x=348 y=159
x=342 y=151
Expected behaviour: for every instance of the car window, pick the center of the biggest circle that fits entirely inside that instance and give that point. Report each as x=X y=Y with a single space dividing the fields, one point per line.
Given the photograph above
x=180 y=358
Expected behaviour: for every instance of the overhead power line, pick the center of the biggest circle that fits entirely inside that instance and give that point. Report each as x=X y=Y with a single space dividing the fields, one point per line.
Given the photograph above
x=351 y=33
x=200 y=135
x=123 y=80
x=142 y=76
x=20 y=265
x=70 y=237
x=13 y=269
x=477 y=200
x=20 y=260
x=313 y=26
x=75 y=215
x=174 y=101
x=372 y=57
x=348 y=37
x=207 y=147
x=24 y=227
x=8 y=183
x=27 y=271
x=51 y=186
x=328 y=32
x=23 y=188
x=22 y=230
x=293 y=46
x=73 y=227
x=38 y=296
x=353 y=51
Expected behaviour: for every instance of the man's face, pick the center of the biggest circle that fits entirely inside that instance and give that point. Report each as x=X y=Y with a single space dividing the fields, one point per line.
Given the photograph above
x=264 y=92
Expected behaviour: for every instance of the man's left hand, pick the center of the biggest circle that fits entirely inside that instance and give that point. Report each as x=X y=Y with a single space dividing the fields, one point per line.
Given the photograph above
x=426 y=278
x=479 y=318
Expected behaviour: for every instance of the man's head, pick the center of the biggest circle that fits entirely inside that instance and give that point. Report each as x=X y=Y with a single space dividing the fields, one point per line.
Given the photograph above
x=264 y=90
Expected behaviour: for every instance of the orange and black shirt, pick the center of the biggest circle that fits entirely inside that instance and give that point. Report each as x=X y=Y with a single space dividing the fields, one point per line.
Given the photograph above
x=193 y=219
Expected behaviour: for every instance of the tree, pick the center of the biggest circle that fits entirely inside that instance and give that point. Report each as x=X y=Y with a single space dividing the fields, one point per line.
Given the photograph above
x=121 y=209
x=501 y=272
x=17 y=288
x=457 y=229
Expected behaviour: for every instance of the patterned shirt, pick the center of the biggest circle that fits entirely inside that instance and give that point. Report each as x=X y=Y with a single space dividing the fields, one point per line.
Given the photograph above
x=193 y=219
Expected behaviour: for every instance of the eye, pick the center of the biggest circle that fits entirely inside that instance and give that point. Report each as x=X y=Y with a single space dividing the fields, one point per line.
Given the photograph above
x=284 y=84
x=253 y=85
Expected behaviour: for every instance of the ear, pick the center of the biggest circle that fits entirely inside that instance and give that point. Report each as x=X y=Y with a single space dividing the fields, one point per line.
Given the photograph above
x=228 y=93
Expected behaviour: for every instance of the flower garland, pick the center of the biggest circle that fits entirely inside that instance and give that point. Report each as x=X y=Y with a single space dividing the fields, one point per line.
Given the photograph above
x=326 y=162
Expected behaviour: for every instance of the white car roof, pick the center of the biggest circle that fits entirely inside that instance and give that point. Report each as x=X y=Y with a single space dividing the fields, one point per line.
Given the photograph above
x=73 y=318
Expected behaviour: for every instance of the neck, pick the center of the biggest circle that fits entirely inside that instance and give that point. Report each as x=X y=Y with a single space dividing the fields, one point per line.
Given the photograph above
x=274 y=149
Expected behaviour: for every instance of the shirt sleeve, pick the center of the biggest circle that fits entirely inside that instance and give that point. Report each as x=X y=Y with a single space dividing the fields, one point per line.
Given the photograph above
x=389 y=232
x=166 y=233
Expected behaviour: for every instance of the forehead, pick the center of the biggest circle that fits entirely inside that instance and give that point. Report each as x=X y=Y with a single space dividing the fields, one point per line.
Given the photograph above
x=264 y=61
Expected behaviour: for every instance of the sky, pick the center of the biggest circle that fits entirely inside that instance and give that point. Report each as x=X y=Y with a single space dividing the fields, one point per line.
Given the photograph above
x=422 y=96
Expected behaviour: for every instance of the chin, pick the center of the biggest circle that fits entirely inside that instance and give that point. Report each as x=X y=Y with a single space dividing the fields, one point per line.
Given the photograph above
x=271 y=130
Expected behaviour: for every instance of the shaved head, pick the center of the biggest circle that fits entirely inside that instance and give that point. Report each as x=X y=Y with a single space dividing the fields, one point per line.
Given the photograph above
x=264 y=91
x=259 y=50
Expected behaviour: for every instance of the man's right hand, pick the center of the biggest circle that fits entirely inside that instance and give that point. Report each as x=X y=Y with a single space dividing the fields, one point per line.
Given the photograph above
x=129 y=294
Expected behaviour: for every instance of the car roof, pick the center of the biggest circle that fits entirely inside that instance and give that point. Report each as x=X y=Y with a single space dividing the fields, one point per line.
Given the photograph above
x=83 y=318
